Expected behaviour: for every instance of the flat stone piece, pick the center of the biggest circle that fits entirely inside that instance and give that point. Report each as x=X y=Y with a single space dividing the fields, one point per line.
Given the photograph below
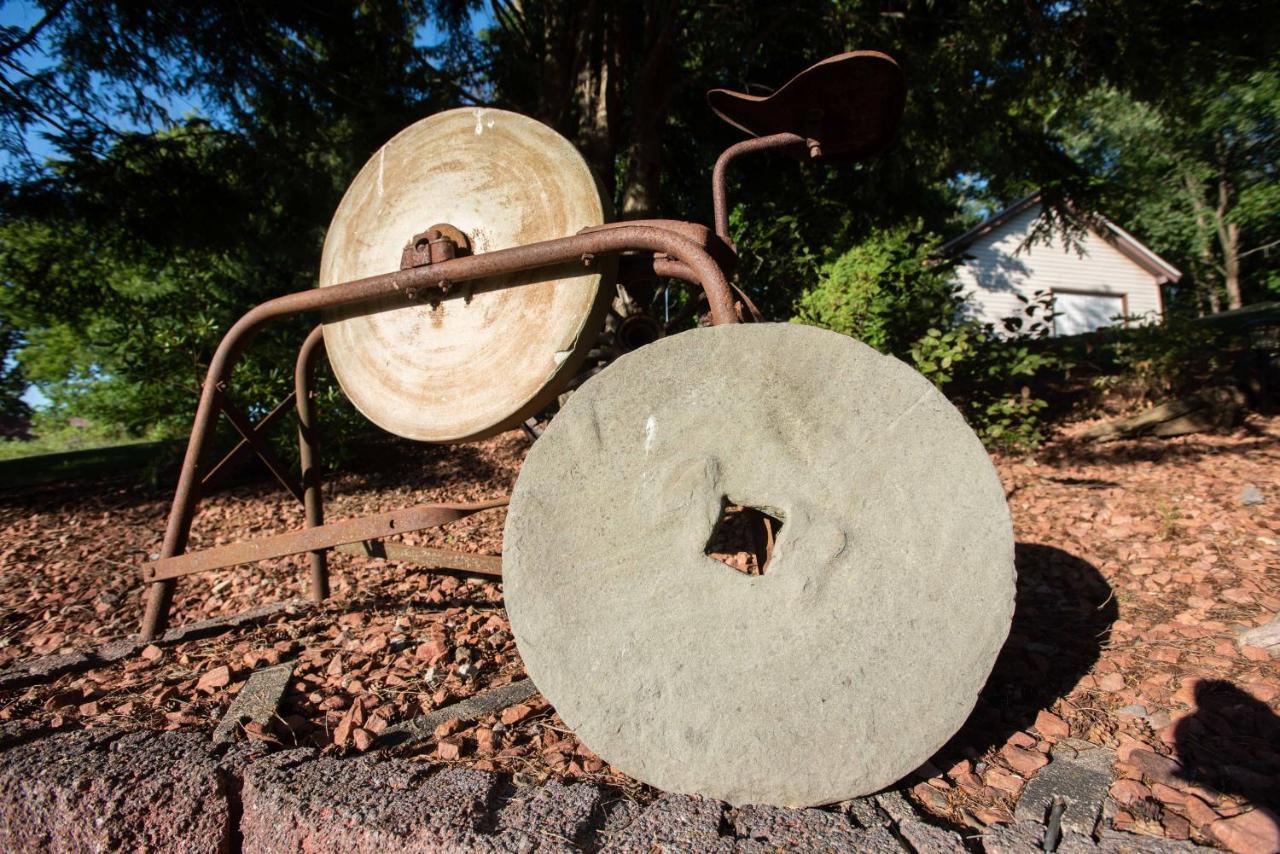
x=1080 y=774
x=553 y=815
x=476 y=706
x=861 y=648
x=1266 y=636
x=365 y=806
x=928 y=839
x=487 y=356
x=257 y=701
x=674 y=823
x=1020 y=837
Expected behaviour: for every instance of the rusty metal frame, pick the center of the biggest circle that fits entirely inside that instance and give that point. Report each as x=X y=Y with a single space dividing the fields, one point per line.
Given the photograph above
x=719 y=174
x=682 y=257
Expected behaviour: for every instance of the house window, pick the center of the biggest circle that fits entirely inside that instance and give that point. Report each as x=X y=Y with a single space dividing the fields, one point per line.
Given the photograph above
x=1077 y=312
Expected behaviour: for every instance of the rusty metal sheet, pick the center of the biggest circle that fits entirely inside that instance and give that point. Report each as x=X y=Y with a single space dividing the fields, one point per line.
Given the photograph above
x=486 y=356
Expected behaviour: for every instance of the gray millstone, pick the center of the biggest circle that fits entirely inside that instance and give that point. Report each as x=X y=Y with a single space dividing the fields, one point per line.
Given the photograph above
x=862 y=647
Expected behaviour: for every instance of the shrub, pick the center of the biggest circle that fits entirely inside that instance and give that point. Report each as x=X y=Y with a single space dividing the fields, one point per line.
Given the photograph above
x=892 y=293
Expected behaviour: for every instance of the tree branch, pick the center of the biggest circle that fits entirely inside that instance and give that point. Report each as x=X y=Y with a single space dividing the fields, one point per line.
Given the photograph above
x=31 y=34
x=1261 y=248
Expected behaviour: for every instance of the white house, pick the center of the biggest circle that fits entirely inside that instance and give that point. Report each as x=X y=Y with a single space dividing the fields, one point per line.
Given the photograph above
x=1115 y=280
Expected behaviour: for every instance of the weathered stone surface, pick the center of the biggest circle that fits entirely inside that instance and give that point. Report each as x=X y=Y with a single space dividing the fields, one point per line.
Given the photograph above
x=896 y=806
x=817 y=681
x=928 y=839
x=88 y=790
x=676 y=823
x=553 y=816
x=864 y=812
x=95 y=791
x=1080 y=774
x=773 y=828
x=256 y=702
x=423 y=726
x=358 y=806
x=1017 y=838
x=1266 y=636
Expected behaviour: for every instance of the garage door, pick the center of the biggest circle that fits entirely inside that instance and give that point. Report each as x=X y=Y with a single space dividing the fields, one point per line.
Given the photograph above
x=1077 y=313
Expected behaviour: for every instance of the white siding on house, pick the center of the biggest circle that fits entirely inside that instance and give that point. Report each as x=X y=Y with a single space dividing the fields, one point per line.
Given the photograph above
x=995 y=272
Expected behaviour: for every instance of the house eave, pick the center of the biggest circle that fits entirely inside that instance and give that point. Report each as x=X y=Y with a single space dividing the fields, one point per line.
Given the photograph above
x=1124 y=242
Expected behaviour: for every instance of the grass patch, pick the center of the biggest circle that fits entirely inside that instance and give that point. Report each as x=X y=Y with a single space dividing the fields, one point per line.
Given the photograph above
x=139 y=460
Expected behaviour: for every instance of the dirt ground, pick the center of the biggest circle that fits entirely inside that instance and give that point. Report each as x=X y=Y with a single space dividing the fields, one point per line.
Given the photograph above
x=1139 y=563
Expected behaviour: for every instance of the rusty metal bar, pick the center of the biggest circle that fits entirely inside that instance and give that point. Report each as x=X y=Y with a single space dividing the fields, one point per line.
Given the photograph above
x=401 y=521
x=269 y=458
x=719 y=188
x=242 y=447
x=409 y=284
x=308 y=451
x=679 y=270
x=445 y=561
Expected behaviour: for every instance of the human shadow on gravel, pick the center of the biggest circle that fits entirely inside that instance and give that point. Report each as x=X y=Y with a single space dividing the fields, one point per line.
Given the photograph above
x=1231 y=743
x=1062 y=618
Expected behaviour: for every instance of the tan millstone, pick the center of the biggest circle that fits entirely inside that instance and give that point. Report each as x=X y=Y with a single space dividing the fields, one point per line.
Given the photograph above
x=858 y=652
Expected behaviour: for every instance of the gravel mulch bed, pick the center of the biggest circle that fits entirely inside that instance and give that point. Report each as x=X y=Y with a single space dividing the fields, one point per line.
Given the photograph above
x=1139 y=565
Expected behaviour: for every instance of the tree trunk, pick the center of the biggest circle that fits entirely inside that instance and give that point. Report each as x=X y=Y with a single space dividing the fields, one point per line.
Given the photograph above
x=1204 y=240
x=1229 y=240
x=594 y=85
x=651 y=91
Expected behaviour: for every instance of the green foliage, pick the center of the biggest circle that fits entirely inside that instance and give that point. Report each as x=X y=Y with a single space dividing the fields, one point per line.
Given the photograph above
x=886 y=291
x=53 y=434
x=1195 y=175
x=126 y=257
x=1153 y=363
x=892 y=293
x=990 y=377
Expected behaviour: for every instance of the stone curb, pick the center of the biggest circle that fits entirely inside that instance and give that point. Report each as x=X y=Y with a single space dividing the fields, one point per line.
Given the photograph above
x=177 y=791
x=100 y=790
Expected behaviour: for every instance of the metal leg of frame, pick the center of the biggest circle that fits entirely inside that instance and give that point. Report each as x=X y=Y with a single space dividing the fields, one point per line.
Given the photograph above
x=160 y=596
x=308 y=455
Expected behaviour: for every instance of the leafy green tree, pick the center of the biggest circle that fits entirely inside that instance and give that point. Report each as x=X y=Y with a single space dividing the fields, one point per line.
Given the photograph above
x=887 y=291
x=1196 y=176
x=126 y=258
x=200 y=147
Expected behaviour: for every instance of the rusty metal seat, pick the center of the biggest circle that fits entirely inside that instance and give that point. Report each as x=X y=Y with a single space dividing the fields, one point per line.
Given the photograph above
x=848 y=107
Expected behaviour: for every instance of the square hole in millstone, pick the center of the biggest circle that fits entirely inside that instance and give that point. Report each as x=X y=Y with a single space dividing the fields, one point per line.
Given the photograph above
x=743 y=538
